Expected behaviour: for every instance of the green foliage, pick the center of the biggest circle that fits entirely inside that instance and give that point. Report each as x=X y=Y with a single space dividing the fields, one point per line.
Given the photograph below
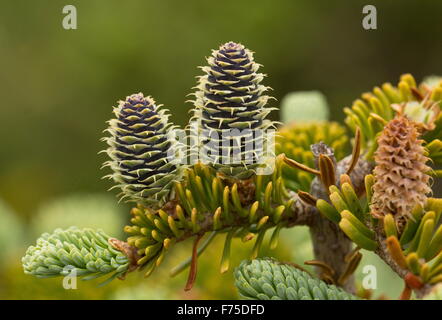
x=177 y=203
x=159 y=285
x=207 y=203
x=351 y=213
x=210 y=283
x=267 y=279
x=419 y=247
x=108 y=66
x=295 y=139
x=86 y=250
x=13 y=280
x=415 y=246
x=304 y=106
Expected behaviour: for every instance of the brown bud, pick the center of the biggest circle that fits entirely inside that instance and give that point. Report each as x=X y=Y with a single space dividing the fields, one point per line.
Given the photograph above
x=401 y=171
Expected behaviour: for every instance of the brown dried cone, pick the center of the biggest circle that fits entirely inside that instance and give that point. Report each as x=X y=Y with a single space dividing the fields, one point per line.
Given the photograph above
x=401 y=175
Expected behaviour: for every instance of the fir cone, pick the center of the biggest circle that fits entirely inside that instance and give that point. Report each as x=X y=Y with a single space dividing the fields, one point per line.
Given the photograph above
x=230 y=97
x=138 y=148
x=401 y=171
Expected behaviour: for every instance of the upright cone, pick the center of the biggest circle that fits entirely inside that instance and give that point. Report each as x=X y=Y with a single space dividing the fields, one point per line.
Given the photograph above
x=401 y=171
x=230 y=111
x=138 y=148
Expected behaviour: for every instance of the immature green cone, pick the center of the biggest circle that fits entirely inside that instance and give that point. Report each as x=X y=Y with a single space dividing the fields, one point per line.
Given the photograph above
x=401 y=180
x=138 y=148
x=267 y=279
x=231 y=97
x=88 y=251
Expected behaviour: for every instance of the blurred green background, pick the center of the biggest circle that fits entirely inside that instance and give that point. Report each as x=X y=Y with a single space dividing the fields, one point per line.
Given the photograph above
x=58 y=88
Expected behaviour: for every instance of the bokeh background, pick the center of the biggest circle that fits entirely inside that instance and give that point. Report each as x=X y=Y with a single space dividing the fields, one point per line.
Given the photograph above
x=57 y=89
